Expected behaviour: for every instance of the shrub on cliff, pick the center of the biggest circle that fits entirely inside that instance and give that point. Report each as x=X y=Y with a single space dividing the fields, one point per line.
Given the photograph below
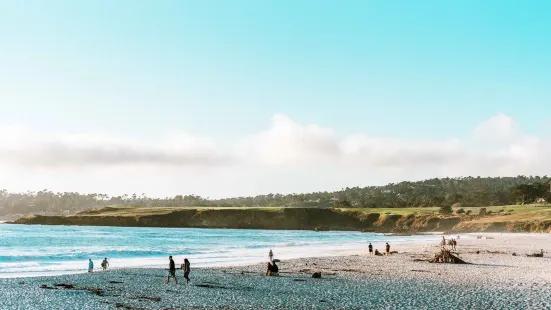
x=446 y=209
x=460 y=211
x=483 y=211
x=342 y=204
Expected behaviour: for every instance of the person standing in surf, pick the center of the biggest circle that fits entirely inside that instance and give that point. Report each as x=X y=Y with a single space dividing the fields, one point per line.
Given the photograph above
x=271 y=255
x=370 y=249
x=90 y=265
x=387 y=248
x=104 y=264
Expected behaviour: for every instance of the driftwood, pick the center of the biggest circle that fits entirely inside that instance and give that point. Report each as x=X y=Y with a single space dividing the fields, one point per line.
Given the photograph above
x=536 y=254
x=445 y=256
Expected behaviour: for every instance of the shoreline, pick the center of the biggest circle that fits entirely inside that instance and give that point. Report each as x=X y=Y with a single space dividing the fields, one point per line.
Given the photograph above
x=405 y=246
x=64 y=252
x=496 y=279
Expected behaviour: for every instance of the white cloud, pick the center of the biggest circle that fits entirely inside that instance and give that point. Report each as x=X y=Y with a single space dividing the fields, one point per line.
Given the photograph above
x=289 y=143
x=495 y=147
x=499 y=128
x=287 y=156
x=20 y=146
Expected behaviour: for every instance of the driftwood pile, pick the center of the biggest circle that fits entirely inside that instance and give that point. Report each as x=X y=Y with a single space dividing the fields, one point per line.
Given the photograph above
x=444 y=256
x=536 y=254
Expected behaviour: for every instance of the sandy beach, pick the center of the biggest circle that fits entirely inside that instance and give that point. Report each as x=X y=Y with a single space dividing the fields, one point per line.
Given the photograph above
x=495 y=280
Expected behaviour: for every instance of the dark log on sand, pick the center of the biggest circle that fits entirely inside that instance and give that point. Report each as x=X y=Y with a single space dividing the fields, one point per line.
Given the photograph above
x=536 y=254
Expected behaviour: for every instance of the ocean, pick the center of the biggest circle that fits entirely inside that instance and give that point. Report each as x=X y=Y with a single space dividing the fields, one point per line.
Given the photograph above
x=36 y=250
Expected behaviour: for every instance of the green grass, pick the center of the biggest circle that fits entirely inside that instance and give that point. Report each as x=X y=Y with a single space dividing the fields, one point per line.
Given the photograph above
x=400 y=211
x=141 y=211
x=517 y=212
x=512 y=213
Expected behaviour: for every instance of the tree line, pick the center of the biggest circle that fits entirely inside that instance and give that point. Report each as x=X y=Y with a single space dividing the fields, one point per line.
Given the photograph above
x=468 y=191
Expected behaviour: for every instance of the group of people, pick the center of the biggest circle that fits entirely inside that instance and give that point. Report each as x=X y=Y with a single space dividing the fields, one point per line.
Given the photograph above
x=104 y=264
x=171 y=268
x=452 y=242
x=377 y=253
x=186 y=267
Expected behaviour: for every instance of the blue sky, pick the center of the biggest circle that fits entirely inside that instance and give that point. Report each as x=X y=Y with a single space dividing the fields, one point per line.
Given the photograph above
x=396 y=70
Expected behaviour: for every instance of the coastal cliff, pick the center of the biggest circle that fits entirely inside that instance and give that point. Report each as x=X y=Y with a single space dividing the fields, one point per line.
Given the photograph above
x=293 y=218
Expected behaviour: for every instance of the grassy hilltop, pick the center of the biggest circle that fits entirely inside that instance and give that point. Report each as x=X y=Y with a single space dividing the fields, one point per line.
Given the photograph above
x=514 y=218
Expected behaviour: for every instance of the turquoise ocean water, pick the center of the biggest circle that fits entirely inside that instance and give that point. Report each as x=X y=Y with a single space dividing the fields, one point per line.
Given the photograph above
x=45 y=250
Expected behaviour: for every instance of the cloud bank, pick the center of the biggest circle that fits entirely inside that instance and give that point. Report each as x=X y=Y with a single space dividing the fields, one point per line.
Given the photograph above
x=496 y=147
x=20 y=146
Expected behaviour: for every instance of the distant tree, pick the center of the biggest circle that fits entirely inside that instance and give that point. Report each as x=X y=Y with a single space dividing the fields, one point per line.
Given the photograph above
x=528 y=193
x=342 y=204
x=467 y=191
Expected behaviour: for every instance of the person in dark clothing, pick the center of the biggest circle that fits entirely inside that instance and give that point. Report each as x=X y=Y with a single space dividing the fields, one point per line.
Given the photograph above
x=187 y=270
x=105 y=264
x=272 y=269
x=387 y=248
x=171 y=271
x=370 y=249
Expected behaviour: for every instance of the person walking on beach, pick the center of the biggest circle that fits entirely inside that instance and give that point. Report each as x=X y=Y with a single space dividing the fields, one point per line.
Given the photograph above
x=370 y=249
x=454 y=244
x=90 y=265
x=171 y=271
x=187 y=270
x=387 y=248
x=443 y=244
x=104 y=264
x=271 y=255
